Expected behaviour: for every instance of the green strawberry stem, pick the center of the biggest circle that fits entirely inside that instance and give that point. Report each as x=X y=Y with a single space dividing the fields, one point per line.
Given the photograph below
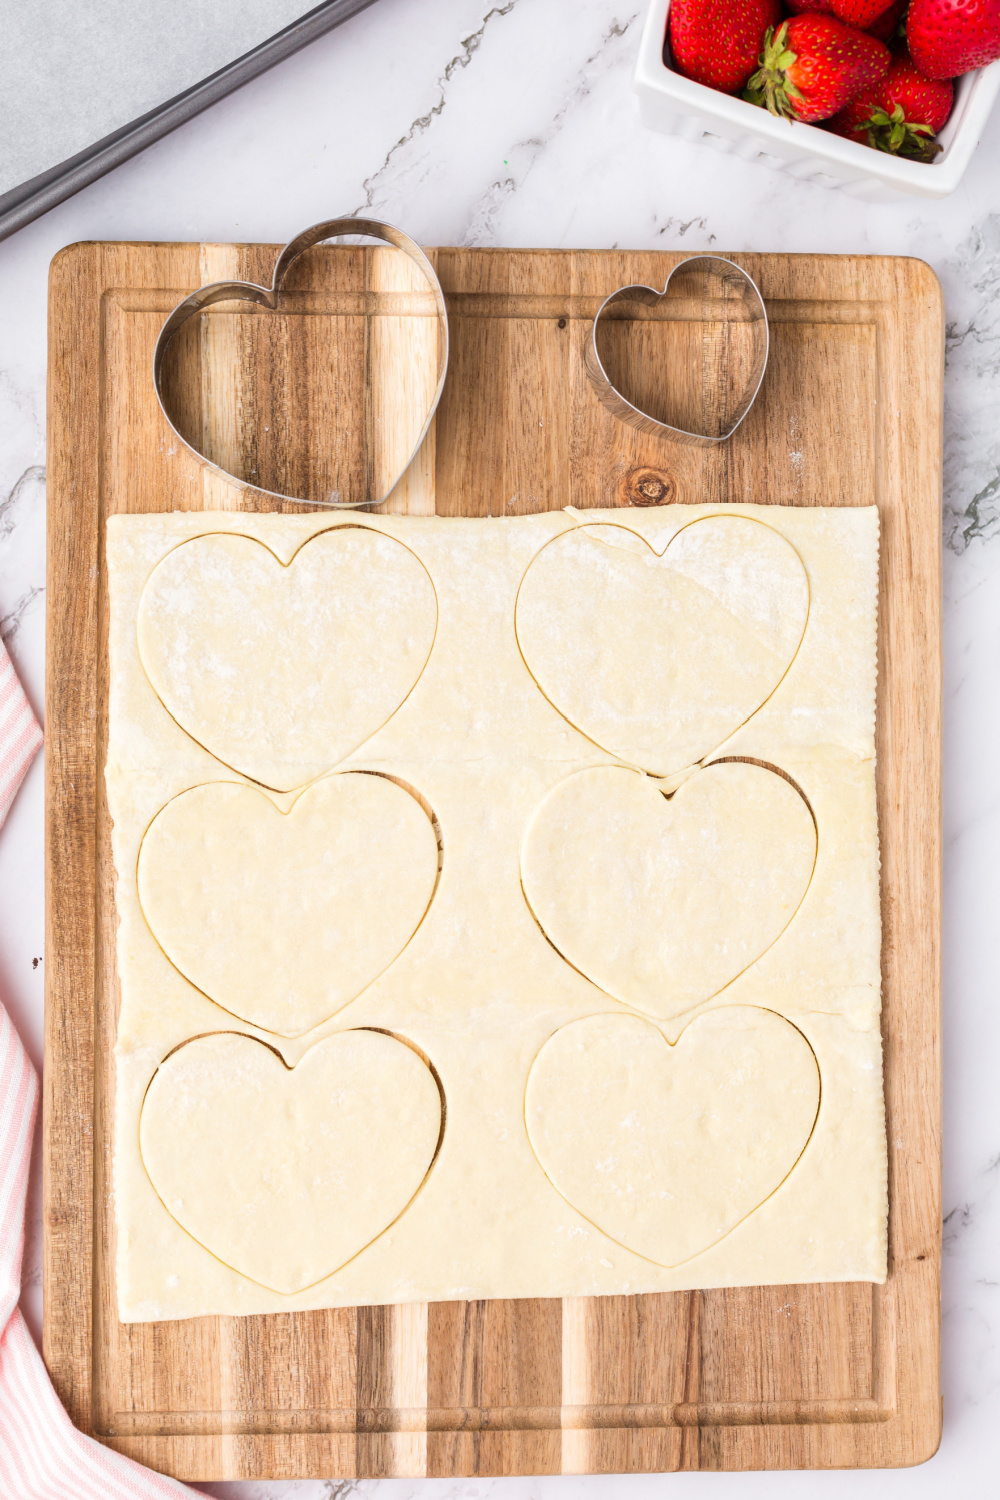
x=894 y=133
x=770 y=86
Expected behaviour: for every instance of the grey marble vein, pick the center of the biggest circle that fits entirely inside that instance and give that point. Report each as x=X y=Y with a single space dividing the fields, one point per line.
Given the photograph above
x=12 y=620
x=22 y=569
x=469 y=47
x=9 y=504
x=972 y=427
x=483 y=221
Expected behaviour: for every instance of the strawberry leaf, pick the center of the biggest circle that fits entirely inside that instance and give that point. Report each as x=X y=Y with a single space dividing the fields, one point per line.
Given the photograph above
x=899 y=136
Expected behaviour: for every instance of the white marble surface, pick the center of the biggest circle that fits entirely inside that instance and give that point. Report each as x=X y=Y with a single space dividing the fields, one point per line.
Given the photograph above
x=515 y=125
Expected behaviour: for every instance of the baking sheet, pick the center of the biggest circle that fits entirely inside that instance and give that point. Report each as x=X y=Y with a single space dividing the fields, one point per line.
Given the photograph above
x=70 y=74
x=83 y=88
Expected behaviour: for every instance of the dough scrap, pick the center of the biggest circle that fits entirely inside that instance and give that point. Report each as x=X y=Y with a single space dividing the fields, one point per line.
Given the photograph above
x=283 y=918
x=354 y=611
x=663 y=902
x=667 y=1149
x=287 y=1174
x=659 y=658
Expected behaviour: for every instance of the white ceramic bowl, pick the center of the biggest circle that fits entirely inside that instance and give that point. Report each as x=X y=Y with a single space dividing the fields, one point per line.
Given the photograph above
x=678 y=106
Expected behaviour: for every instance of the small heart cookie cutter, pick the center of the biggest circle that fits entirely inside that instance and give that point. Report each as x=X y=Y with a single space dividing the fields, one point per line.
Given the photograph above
x=249 y=291
x=737 y=282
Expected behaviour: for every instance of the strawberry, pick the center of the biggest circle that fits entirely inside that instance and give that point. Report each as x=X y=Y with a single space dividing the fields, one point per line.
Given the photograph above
x=717 y=42
x=887 y=25
x=883 y=23
x=812 y=65
x=948 y=37
x=859 y=13
x=901 y=113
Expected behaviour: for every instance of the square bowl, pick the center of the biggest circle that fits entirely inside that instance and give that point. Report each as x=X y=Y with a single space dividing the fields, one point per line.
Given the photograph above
x=678 y=106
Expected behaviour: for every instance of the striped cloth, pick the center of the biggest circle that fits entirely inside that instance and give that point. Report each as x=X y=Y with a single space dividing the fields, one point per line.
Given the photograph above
x=42 y=1455
x=20 y=735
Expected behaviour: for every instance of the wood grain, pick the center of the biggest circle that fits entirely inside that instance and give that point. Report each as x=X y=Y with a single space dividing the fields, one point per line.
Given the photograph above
x=778 y=1377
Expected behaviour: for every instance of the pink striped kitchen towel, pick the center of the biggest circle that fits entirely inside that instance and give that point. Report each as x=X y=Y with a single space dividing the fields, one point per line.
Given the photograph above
x=20 y=735
x=42 y=1455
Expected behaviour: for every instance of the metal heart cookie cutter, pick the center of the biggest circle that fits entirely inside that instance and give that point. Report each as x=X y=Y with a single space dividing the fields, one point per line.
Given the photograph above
x=268 y=297
x=736 y=285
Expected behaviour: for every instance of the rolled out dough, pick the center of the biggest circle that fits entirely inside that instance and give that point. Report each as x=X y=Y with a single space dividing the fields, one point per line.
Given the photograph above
x=667 y=1149
x=660 y=655
x=553 y=837
x=281 y=668
x=662 y=901
x=286 y=1174
x=283 y=916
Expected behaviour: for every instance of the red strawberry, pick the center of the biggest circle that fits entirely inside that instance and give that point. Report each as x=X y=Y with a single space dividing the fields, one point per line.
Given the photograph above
x=948 y=37
x=812 y=65
x=717 y=42
x=883 y=25
x=887 y=24
x=859 y=13
x=902 y=113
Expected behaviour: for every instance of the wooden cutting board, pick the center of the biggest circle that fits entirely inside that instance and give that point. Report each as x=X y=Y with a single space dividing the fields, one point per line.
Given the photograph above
x=826 y=1376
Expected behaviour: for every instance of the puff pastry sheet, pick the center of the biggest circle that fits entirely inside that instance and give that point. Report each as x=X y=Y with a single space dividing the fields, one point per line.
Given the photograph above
x=590 y=1004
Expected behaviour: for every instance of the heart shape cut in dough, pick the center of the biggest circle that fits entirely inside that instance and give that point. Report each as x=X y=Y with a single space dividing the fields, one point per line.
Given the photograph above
x=287 y=1174
x=663 y=902
x=282 y=918
x=660 y=657
x=280 y=671
x=666 y=1149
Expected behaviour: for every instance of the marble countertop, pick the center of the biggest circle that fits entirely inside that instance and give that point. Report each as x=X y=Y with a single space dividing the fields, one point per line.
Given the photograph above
x=514 y=124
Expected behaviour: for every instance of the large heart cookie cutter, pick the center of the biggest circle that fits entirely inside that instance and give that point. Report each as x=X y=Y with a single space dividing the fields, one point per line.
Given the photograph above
x=248 y=291
x=737 y=285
